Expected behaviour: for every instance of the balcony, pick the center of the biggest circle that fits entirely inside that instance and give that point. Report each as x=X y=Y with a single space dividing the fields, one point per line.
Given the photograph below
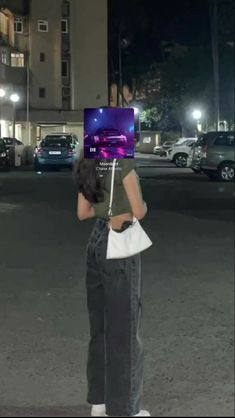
x=13 y=75
x=19 y=7
x=5 y=40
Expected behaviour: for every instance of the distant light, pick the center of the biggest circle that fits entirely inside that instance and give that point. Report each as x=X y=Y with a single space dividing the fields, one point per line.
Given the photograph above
x=14 y=98
x=101 y=110
x=136 y=110
x=197 y=114
x=95 y=120
x=2 y=93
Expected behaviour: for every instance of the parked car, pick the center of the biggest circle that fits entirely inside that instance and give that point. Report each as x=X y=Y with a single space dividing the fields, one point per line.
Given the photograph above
x=107 y=137
x=195 y=154
x=218 y=155
x=4 y=155
x=60 y=150
x=168 y=144
x=162 y=149
x=194 y=158
x=180 y=152
x=16 y=149
x=12 y=142
x=182 y=141
x=158 y=150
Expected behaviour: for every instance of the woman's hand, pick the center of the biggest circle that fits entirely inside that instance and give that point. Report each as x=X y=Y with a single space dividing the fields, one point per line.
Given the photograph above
x=138 y=206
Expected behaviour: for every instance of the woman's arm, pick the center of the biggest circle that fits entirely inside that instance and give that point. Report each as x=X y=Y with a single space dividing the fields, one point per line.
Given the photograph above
x=84 y=208
x=138 y=206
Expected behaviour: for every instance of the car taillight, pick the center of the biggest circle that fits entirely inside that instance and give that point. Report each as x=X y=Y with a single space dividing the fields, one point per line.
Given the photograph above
x=39 y=151
x=70 y=152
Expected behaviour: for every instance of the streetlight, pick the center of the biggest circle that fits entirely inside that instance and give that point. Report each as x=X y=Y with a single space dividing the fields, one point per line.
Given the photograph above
x=2 y=93
x=14 y=98
x=197 y=114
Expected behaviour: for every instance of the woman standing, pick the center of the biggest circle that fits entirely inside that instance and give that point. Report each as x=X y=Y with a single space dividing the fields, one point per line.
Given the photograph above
x=115 y=358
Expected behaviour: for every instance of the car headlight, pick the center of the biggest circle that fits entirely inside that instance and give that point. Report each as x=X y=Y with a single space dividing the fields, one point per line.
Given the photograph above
x=3 y=154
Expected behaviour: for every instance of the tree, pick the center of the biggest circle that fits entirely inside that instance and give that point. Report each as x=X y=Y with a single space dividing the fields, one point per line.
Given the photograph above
x=187 y=81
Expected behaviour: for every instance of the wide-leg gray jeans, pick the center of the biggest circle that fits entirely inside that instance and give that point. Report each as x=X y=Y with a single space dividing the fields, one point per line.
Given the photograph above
x=115 y=357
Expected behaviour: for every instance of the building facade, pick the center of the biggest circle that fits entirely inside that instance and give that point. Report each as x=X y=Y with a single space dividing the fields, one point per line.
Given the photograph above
x=54 y=55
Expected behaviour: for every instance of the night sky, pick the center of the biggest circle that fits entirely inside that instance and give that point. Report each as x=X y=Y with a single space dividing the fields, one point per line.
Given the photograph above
x=149 y=22
x=185 y=21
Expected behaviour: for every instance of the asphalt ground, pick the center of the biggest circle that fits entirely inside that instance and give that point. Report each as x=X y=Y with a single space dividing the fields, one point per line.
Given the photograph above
x=188 y=295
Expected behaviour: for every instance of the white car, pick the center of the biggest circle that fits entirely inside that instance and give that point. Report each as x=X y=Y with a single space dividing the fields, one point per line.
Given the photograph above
x=182 y=141
x=179 y=154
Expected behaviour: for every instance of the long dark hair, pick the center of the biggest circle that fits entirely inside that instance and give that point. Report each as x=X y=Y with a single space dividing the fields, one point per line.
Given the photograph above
x=88 y=181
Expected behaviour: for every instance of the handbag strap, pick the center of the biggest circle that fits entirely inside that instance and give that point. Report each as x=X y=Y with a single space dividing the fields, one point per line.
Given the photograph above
x=112 y=188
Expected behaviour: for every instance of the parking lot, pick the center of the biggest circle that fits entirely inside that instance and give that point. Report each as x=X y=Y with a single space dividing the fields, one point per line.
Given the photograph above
x=188 y=292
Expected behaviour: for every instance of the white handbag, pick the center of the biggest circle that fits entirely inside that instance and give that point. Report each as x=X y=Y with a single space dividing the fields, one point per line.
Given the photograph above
x=129 y=242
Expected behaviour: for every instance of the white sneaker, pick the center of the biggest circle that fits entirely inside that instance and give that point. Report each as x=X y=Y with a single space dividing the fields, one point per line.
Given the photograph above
x=143 y=414
x=140 y=414
x=98 y=410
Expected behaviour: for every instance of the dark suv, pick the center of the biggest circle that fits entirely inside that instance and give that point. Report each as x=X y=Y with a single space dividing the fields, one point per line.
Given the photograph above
x=217 y=159
x=4 y=157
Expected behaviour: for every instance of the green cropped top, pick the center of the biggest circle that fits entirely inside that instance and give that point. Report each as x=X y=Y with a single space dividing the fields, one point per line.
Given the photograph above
x=120 y=200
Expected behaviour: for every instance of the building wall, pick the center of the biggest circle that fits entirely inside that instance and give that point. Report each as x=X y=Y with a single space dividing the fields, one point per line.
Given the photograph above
x=89 y=52
x=7 y=33
x=86 y=47
x=45 y=74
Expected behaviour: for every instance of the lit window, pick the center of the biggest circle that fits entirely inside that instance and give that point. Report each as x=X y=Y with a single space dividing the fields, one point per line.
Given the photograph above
x=64 y=25
x=42 y=25
x=17 y=60
x=65 y=69
x=18 y=25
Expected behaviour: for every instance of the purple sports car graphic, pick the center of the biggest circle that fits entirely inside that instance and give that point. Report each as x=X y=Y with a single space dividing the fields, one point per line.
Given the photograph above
x=109 y=137
x=109 y=133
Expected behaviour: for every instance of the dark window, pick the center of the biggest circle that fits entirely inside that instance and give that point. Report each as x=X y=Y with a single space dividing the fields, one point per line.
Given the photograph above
x=42 y=57
x=18 y=25
x=64 y=69
x=64 y=25
x=42 y=25
x=65 y=9
x=66 y=91
x=225 y=140
x=42 y=92
x=62 y=141
x=66 y=103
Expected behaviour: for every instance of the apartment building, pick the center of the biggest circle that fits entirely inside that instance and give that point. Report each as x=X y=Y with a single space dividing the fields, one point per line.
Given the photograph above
x=53 y=54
